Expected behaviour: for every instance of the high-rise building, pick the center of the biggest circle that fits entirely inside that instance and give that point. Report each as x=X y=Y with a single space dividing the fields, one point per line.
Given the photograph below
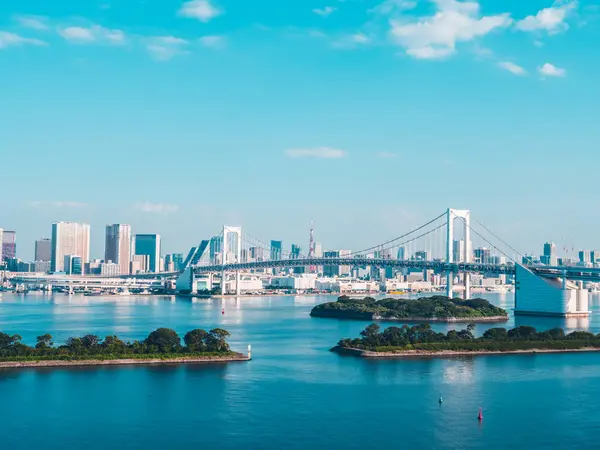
x=9 y=245
x=549 y=257
x=174 y=259
x=216 y=243
x=296 y=250
x=401 y=253
x=140 y=263
x=1 y=234
x=585 y=256
x=276 y=250
x=482 y=255
x=149 y=244
x=69 y=238
x=595 y=256
x=421 y=255
x=43 y=249
x=118 y=246
x=331 y=271
x=458 y=251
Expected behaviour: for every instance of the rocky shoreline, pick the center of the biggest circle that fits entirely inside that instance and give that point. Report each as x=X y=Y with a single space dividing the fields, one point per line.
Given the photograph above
x=239 y=357
x=449 y=353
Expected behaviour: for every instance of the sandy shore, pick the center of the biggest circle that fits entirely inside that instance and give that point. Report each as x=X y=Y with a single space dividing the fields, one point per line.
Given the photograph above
x=124 y=362
x=451 y=353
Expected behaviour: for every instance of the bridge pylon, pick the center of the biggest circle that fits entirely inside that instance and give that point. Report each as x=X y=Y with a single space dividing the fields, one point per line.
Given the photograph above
x=465 y=254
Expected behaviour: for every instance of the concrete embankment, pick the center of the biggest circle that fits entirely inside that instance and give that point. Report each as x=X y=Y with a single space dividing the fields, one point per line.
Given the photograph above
x=449 y=353
x=125 y=362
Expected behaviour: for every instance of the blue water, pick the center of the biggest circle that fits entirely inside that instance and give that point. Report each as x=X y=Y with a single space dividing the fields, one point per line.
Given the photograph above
x=294 y=394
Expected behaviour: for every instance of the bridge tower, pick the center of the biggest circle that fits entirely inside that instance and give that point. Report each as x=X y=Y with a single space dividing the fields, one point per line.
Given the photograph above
x=235 y=256
x=467 y=254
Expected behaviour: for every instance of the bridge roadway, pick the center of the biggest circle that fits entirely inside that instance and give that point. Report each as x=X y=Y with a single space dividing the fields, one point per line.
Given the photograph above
x=438 y=266
x=571 y=272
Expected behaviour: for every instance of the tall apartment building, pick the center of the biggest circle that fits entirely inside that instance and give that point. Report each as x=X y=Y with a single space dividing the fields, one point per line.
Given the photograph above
x=43 y=250
x=118 y=246
x=69 y=238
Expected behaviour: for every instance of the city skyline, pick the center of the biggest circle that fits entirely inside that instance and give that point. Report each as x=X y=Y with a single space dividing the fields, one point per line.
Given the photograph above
x=347 y=92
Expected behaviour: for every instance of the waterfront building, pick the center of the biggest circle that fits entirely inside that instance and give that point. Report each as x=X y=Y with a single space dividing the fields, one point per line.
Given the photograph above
x=140 y=263
x=150 y=245
x=69 y=238
x=1 y=237
x=9 y=245
x=73 y=265
x=43 y=250
x=257 y=254
x=41 y=266
x=595 y=256
x=118 y=246
x=110 y=269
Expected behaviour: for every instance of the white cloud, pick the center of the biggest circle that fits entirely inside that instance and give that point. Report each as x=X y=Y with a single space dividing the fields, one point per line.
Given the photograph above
x=550 y=70
x=33 y=22
x=12 y=40
x=213 y=41
x=203 y=10
x=58 y=204
x=318 y=152
x=512 y=67
x=550 y=19
x=436 y=36
x=93 y=34
x=390 y=6
x=165 y=48
x=538 y=43
x=352 y=41
x=156 y=208
x=324 y=12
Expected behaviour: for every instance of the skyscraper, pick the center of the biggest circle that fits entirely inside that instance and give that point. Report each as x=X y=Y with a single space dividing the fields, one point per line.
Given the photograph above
x=43 y=250
x=118 y=246
x=69 y=238
x=295 y=251
x=1 y=234
x=549 y=256
x=276 y=247
x=149 y=244
x=458 y=251
x=9 y=245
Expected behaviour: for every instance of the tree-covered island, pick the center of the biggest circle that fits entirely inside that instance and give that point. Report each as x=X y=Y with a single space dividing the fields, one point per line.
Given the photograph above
x=162 y=345
x=426 y=309
x=421 y=340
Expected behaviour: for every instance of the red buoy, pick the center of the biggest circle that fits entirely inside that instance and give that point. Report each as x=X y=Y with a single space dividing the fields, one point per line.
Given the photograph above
x=480 y=415
x=223 y=311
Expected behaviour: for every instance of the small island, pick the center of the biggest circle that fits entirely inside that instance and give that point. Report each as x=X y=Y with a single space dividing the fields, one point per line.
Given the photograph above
x=426 y=309
x=421 y=341
x=162 y=346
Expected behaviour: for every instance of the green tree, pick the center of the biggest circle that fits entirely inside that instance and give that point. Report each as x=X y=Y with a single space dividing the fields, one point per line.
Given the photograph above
x=195 y=340
x=165 y=340
x=495 y=334
x=44 y=341
x=113 y=345
x=215 y=341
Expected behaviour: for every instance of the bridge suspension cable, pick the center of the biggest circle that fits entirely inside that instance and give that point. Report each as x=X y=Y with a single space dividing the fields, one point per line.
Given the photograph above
x=381 y=246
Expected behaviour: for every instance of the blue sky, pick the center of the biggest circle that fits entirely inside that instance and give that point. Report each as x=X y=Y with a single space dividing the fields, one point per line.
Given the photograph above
x=371 y=116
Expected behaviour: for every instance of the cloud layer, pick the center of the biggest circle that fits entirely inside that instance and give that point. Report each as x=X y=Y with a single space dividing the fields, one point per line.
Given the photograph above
x=157 y=208
x=318 y=152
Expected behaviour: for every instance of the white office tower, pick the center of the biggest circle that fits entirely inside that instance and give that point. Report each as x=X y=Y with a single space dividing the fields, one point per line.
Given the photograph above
x=69 y=238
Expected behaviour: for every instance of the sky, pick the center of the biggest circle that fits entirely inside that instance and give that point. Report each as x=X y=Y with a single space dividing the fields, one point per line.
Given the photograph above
x=370 y=116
